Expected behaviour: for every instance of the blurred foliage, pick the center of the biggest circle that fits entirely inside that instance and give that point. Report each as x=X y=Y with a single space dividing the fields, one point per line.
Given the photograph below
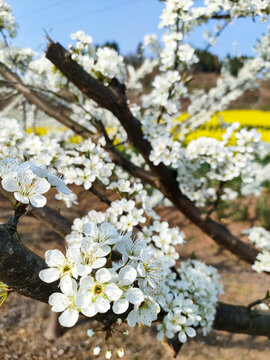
x=111 y=44
x=262 y=211
x=207 y=62
x=234 y=64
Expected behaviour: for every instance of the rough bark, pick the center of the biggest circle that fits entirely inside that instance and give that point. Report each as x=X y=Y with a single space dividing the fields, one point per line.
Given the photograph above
x=239 y=319
x=19 y=267
x=165 y=178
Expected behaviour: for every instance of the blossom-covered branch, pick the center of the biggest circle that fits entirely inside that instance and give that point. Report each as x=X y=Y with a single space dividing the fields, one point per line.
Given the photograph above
x=22 y=277
x=32 y=97
x=166 y=182
x=54 y=111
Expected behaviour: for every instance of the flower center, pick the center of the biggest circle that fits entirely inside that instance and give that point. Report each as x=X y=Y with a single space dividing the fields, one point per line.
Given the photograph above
x=26 y=189
x=98 y=289
x=66 y=268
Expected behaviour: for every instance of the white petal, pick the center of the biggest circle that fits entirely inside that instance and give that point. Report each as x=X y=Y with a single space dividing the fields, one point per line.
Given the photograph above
x=101 y=250
x=69 y=317
x=141 y=270
x=182 y=337
x=121 y=246
x=74 y=272
x=49 y=275
x=131 y=319
x=57 y=301
x=38 y=200
x=42 y=186
x=54 y=258
x=127 y=275
x=103 y=275
x=79 y=299
x=120 y=306
x=89 y=311
x=134 y=296
x=190 y=331
x=89 y=228
x=110 y=231
x=86 y=283
x=23 y=199
x=9 y=183
x=74 y=253
x=98 y=263
x=113 y=292
x=67 y=285
x=84 y=270
x=87 y=242
x=102 y=305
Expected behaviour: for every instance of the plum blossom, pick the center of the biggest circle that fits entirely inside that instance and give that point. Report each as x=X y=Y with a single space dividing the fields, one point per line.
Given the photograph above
x=66 y=302
x=97 y=293
x=145 y=313
x=106 y=234
x=90 y=256
x=133 y=295
x=27 y=187
x=149 y=268
x=60 y=266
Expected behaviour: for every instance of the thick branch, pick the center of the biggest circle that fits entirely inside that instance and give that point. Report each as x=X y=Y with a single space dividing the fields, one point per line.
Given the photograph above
x=116 y=103
x=52 y=218
x=239 y=319
x=19 y=267
x=106 y=97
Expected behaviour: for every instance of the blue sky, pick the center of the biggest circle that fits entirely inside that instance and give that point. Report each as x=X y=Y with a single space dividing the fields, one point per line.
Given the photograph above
x=124 y=21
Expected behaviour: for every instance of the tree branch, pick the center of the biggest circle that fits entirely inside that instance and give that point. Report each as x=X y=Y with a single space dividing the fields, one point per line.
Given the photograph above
x=19 y=267
x=239 y=319
x=52 y=218
x=165 y=178
x=106 y=97
x=58 y=114
x=51 y=110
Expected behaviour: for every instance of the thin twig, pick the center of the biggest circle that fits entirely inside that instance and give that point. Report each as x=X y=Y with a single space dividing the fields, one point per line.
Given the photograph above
x=218 y=194
x=100 y=196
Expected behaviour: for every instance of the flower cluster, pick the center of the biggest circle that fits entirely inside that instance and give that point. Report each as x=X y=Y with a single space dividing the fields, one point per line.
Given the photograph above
x=91 y=282
x=189 y=297
x=261 y=239
x=79 y=164
x=107 y=270
x=103 y=62
x=7 y=20
x=28 y=181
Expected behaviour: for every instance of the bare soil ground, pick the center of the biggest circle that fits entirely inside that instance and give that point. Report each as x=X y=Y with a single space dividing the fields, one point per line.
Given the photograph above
x=23 y=321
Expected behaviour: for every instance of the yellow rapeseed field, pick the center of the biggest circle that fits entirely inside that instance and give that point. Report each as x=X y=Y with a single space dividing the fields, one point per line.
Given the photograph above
x=247 y=118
